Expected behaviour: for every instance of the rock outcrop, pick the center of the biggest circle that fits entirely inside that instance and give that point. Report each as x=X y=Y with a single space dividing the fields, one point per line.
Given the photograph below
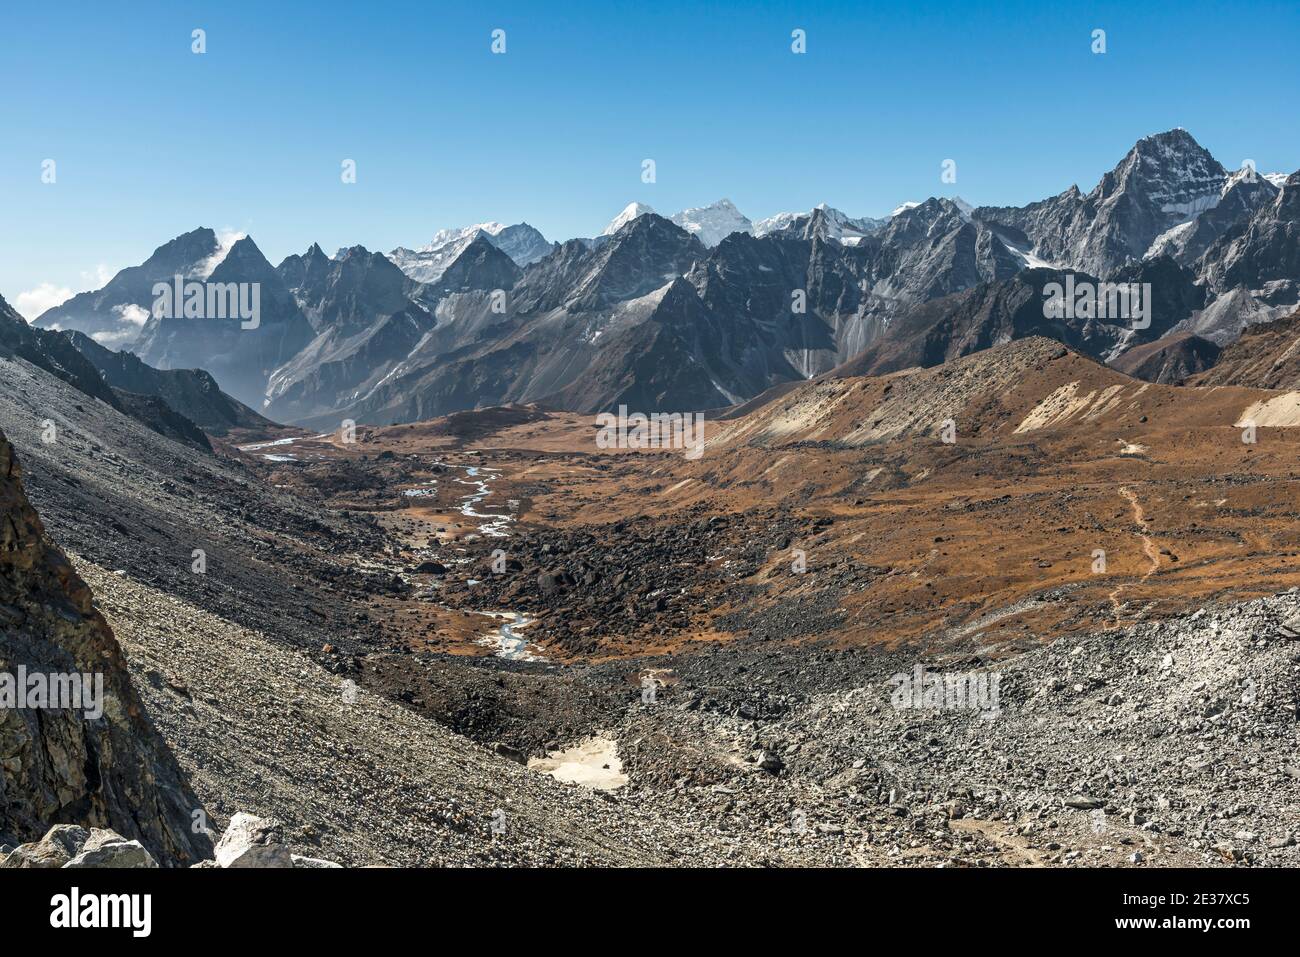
x=100 y=764
x=68 y=845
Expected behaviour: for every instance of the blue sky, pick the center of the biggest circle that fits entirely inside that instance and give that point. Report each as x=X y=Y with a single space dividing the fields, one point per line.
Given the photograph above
x=151 y=140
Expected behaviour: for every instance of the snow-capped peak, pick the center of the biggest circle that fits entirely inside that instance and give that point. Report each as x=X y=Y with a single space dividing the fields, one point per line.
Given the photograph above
x=774 y=223
x=458 y=234
x=520 y=242
x=630 y=212
x=903 y=207
x=834 y=224
x=715 y=222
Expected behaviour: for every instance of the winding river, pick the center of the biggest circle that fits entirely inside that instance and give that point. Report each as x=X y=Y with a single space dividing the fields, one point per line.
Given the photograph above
x=505 y=638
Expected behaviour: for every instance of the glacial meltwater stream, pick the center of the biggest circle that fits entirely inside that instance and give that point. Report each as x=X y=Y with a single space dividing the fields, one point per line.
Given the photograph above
x=506 y=638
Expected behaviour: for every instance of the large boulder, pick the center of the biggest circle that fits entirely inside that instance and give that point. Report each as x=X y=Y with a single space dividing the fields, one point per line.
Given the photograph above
x=252 y=841
x=75 y=764
x=60 y=844
x=110 y=849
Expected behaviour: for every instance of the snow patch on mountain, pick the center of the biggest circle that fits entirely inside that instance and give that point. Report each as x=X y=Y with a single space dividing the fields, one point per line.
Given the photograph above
x=1167 y=242
x=1026 y=256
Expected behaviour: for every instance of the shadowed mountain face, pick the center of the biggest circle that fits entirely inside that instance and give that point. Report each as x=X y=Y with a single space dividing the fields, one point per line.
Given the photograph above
x=363 y=311
x=997 y=312
x=652 y=317
x=1171 y=361
x=53 y=352
x=59 y=766
x=77 y=360
x=1187 y=242
x=191 y=392
x=344 y=293
x=1267 y=356
x=1261 y=248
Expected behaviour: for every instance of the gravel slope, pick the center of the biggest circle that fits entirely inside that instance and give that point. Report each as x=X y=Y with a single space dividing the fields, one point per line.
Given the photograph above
x=264 y=729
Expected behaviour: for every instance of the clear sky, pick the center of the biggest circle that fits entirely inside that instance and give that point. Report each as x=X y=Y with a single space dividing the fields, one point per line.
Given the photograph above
x=151 y=140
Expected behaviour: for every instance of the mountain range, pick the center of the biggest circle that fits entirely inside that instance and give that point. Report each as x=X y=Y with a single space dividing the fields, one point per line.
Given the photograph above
x=708 y=308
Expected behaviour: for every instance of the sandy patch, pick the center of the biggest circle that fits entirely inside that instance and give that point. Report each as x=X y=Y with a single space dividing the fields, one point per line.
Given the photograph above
x=593 y=763
x=1282 y=409
x=1062 y=404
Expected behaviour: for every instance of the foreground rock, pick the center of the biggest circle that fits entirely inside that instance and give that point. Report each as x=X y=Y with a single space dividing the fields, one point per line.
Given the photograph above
x=252 y=841
x=96 y=760
x=59 y=845
x=68 y=845
x=107 y=849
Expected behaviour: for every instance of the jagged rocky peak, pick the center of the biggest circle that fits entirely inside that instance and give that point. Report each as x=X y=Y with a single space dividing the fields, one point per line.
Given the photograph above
x=1173 y=171
x=1162 y=182
x=523 y=243
x=482 y=266
x=822 y=220
x=244 y=259
x=934 y=215
x=187 y=252
x=352 y=290
x=307 y=269
x=644 y=254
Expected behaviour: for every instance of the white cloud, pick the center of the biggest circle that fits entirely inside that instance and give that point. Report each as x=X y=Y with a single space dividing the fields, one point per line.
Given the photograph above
x=225 y=239
x=130 y=312
x=109 y=339
x=97 y=277
x=33 y=302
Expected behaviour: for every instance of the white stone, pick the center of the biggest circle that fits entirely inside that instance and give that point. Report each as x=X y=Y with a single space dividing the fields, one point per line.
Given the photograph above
x=252 y=841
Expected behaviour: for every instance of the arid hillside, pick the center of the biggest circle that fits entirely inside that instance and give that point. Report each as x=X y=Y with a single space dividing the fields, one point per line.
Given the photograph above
x=992 y=539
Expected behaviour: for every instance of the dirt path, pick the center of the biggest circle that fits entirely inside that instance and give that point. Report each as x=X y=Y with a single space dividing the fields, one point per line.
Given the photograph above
x=1148 y=548
x=1015 y=850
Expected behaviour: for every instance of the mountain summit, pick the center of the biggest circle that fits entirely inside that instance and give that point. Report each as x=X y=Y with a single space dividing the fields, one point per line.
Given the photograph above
x=1164 y=180
x=713 y=223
